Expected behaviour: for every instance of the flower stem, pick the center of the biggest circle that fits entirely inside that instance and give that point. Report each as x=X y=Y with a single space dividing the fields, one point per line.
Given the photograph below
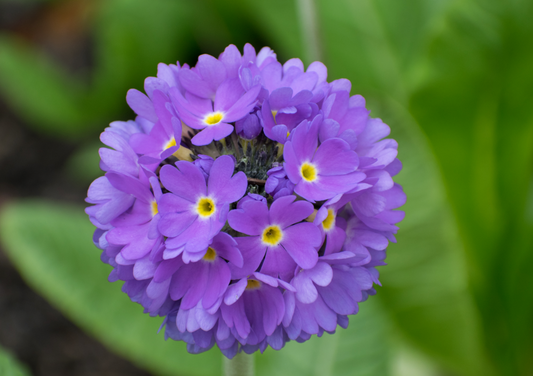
x=309 y=30
x=235 y=142
x=241 y=365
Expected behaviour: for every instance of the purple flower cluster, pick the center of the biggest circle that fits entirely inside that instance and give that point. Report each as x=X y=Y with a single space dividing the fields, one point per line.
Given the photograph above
x=248 y=203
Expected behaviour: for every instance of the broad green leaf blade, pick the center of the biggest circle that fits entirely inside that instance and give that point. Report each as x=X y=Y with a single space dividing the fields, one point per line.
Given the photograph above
x=362 y=349
x=38 y=90
x=483 y=137
x=131 y=38
x=9 y=366
x=83 y=166
x=425 y=285
x=51 y=246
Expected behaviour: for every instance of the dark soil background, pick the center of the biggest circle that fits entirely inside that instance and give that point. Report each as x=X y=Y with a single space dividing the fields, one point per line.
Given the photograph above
x=33 y=165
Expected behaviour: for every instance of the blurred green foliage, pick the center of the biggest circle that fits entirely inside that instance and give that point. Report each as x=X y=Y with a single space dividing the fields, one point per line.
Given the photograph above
x=9 y=366
x=454 y=81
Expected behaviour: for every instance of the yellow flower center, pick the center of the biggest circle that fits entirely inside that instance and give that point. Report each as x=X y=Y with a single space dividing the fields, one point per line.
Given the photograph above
x=210 y=255
x=154 y=208
x=170 y=143
x=213 y=118
x=253 y=284
x=272 y=235
x=205 y=207
x=308 y=172
x=329 y=222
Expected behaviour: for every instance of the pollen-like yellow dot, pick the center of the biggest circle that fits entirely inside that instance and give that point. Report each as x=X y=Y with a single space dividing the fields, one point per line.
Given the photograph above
x=272 y=235
x=253 y=284
x=154 y=208
x=205 y=207
x=213 y=118
x=308 y=172
x=329 y=222
x=210 y=255
x=170 y=143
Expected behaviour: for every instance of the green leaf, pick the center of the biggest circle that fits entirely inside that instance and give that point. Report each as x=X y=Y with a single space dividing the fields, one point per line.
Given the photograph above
x=50 y=245
x=9 y=366
x=362 y=349
x=131 y=38
x=278 y=21
x=53 y=102
x=37 y=89
x=83 y=166
x=478 y=118
x=425 y=286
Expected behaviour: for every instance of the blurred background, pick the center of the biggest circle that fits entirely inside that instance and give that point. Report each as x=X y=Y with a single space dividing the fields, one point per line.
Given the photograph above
x=452 y=78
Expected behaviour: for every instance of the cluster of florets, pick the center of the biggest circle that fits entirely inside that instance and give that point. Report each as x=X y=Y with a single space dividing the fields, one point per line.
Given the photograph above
x=248 y=203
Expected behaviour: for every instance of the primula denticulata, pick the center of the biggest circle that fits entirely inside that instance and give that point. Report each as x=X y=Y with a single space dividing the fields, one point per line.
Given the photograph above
x=248 y=203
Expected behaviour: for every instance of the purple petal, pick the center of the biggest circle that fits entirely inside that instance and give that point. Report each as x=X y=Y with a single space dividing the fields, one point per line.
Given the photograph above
x=226 y=247
x=141 y=104
x=144 y=269
x=170 y=254
x=252 y=219
x=135 y=238
x=185 y=181
x=219 y=278
x=304 y=139
x=170 y=203
x=234 y=292
x=306 y=291
x=334 y=157
x=130 y=185
x=301 y=242
x=227 y=95
x=306 y=81
x=278 y=263
x=231 y=58
x=292 y=163
x=222 y=185
x=294 y=62
x=207 y=135
x=272 y=76
x=167 y=268
x=221 y=130
x=173 y=224
x=243 y=106
x=211 y=70
x=285 y=212
x=328 y=129
x=280 y=98
x=192 y=82
x=253 y=252
x=320 y=69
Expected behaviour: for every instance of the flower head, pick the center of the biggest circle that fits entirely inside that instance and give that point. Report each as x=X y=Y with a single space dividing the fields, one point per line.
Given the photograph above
x=248 y=203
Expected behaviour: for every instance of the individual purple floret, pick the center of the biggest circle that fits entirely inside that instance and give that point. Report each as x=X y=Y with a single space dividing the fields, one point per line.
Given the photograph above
x=136 y=229
x=278 y=232
x=320 y=173
x=231 y=103
x=250 y=202
x=278 y=184
x=205 y=281
x=195 y=210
